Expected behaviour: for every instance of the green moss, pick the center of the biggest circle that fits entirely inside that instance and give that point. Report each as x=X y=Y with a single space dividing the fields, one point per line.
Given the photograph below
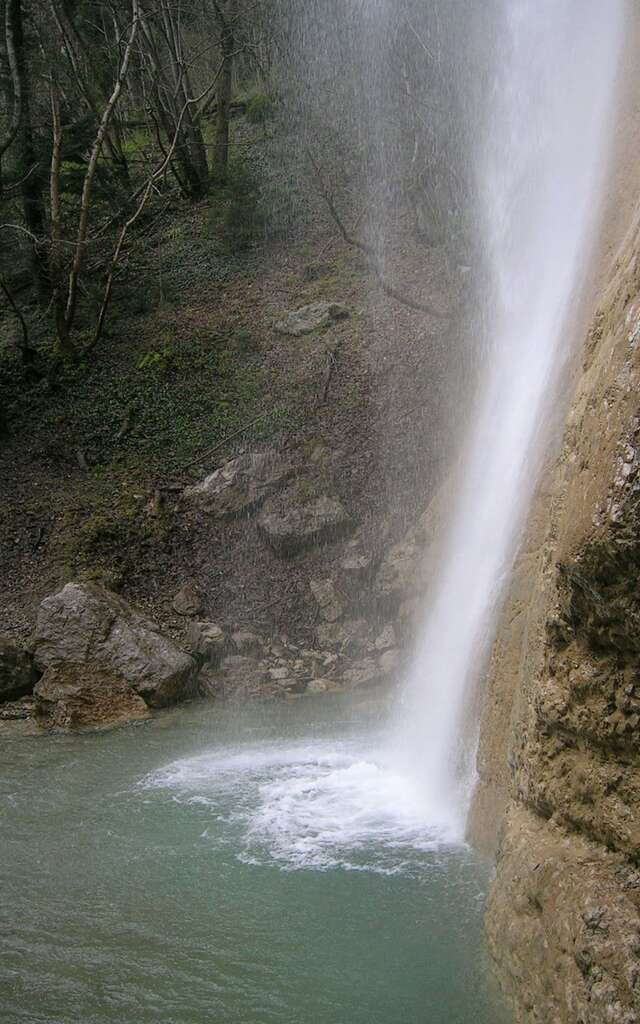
x=259 y=107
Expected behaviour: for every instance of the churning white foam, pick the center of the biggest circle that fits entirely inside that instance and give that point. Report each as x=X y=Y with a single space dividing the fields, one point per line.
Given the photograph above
x=317 y=805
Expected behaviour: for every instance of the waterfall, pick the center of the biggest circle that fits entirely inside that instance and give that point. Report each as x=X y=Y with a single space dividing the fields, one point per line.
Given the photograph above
x=540 y=161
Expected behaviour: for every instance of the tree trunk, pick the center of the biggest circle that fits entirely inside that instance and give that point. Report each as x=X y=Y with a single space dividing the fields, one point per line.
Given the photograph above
x=28 y=170
x=221 y=149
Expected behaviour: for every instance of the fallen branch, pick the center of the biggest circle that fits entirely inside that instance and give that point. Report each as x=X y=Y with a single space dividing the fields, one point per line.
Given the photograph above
x=332 y=363
x=220 y=444
x=368 y=250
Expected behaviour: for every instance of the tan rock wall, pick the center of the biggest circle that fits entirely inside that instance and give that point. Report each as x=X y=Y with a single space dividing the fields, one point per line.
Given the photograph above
x=559 y=758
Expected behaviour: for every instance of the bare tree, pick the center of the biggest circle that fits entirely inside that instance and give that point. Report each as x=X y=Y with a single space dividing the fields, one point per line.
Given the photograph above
x=21 y=133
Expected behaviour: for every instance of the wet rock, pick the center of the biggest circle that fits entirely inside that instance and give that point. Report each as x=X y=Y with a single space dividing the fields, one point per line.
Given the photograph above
x=407 y=617
x=294 y=521
x=188 y=601
x=247 y=643
x=397 y=575
x=386 y=639
x=322 y=685
x=72 y=697
x=356 y=565
x=17 y=672
x=279 y=673
x=316 y=316
x=240 y=485
x=389 y=662
x=329 y=603
x=242 y=678
x=361 y=673
x=207 y=641
x=85 y=624
x=348 y=637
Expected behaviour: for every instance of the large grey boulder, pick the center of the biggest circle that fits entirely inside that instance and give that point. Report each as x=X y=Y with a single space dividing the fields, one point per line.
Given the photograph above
x=71 y=697
x=316 y=316
x=85 y=624
x=294 y=520
x=240 y=485
x=17 y=671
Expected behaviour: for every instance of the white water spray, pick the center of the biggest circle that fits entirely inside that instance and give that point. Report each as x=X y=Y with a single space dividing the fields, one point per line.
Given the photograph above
x=540 y=174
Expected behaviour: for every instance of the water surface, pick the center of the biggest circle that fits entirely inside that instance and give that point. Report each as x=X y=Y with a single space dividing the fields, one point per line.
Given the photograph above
x=263 y=867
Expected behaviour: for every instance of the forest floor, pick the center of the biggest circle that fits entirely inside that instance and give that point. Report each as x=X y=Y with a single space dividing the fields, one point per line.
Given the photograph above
x=192 y=372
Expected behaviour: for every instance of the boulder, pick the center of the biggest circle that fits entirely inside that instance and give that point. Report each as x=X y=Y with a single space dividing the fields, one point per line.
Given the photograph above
x=188 y=601
x=240 y=485
x=85 y=624
x=294 y=521
x=316 y=316
x=18 y=674
x=329 y=603
x=350 y=637
x=70 y=697
x=207 y=641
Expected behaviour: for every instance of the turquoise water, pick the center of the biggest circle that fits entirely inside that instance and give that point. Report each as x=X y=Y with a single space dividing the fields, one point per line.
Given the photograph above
x=267 y=867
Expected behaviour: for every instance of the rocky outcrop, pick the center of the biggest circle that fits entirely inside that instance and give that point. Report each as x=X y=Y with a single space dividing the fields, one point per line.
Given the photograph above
x=314 y=317
x=69 y=698
x=563 y=925
x=296 y=520
x=86 y=625
x=239 y=486
x=559 y=756
x=18 y=674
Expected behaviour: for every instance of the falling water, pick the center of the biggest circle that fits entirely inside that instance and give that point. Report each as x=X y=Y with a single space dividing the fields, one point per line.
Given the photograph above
x=540 y=168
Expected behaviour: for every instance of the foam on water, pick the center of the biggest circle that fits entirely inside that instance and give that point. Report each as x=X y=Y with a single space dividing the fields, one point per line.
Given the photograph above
x=318 y=804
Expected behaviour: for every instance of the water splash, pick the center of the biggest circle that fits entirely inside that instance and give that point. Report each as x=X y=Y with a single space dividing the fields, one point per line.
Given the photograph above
x=540 y=169
x=317 y=804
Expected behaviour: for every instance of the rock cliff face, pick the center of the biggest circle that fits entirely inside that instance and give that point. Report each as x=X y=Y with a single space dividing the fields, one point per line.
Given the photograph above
x=559 y=757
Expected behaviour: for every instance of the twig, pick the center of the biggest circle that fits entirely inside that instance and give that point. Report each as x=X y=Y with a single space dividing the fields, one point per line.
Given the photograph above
x=27 y=352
